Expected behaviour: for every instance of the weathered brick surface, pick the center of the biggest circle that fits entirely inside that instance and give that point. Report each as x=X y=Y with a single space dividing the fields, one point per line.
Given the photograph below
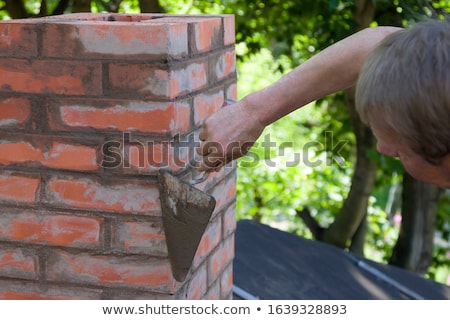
x=139 y=237
x=18 y=263
x=198 y=287
x=19 y=290
x=14 y=112
x=51 y=154
x=92 y=106
x=89 y=194
x=65 y=77
x=54 y=229
x=18 y=188
x=111 y=40
x=148 y=273
x=220 y=259
x=18 y=39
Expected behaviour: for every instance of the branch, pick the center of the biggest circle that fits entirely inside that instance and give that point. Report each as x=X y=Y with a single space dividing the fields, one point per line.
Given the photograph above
x=111 y=6
x=150 y=6
x=311 y=223
x=61 y=7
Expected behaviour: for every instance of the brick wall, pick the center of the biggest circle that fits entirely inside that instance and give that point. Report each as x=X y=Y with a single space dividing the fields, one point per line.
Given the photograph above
x=79 y=92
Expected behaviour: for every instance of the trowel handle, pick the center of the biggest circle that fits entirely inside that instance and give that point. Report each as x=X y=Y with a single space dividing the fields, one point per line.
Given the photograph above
x=199 y=179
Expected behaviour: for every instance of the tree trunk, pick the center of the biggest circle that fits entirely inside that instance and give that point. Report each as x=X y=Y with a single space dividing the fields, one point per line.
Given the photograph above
x=349 y=223
x=16 y=9
x=414 y=248
x=43 y=9
x=150 y=6
x=359 y=238
x=81 y=6
x=354 y=209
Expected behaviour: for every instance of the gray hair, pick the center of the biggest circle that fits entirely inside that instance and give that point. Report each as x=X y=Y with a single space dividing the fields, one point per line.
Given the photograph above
x=404 y=84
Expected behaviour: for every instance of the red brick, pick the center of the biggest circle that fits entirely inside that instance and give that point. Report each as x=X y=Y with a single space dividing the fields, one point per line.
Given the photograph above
x=78 y=16
x=58 y=230
x=132 y=294
x=231 y=92
x=88 y=194
x=224 y=65
x=60 y=155
x=229 y=220
x=49 y=77
x=189 y=79
x=140 y=156
x=206 y=104
x=114 y=39
x=96 y=270
x=229 y=29
x=103 y=17
x=149 y=81
x=210 y=240
x=17 y=263
x=71 y=157
x=198 y=284
x=226 y=282
x=139 y=80
x=147 y=157
x=18 y=39
x=18 y=152
x=14 y=295
x=206 y=34
x=221 y=258
x=14 y=111
x=18 y=188
x=152 y=117
x=13 y=290
x=224 y=193
x=213 y=292
x=140 y=237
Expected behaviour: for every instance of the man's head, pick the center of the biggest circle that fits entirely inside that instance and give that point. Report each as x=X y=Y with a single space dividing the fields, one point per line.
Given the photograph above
x=403 y=94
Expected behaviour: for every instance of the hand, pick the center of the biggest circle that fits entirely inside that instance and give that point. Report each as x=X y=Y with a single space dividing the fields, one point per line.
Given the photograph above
x=227 y=135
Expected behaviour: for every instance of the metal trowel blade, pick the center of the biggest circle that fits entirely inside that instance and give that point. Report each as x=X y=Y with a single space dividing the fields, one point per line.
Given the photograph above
x=185 y=212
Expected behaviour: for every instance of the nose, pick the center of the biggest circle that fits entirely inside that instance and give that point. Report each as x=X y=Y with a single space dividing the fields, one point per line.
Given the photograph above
x=387 y=150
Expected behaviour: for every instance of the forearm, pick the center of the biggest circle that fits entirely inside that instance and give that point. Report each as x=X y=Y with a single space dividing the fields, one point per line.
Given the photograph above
x=333 y=69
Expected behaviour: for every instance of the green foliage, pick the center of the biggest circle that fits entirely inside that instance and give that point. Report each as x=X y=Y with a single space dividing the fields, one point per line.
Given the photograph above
x=272 y=37
x=3 y=14
x=296 y=171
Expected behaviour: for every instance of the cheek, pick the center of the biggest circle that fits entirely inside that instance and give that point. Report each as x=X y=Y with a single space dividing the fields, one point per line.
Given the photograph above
x=417 y=167
x=384 y=149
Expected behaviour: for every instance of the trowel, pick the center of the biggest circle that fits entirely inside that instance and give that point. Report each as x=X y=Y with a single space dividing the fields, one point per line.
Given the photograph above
x=186 y=211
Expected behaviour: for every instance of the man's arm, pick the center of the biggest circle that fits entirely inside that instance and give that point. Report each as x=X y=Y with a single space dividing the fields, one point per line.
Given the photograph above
x=229 y=133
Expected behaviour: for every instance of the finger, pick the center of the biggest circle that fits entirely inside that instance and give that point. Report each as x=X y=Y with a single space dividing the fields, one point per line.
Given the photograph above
x=212 y=149
x=211 y=163
x=203 y=135
x=207 y=148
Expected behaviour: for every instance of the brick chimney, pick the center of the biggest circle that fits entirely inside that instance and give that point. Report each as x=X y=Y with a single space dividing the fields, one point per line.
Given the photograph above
x=92 y=106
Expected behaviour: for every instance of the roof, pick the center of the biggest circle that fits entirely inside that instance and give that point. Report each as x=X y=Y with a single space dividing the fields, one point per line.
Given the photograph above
x=272 y=264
